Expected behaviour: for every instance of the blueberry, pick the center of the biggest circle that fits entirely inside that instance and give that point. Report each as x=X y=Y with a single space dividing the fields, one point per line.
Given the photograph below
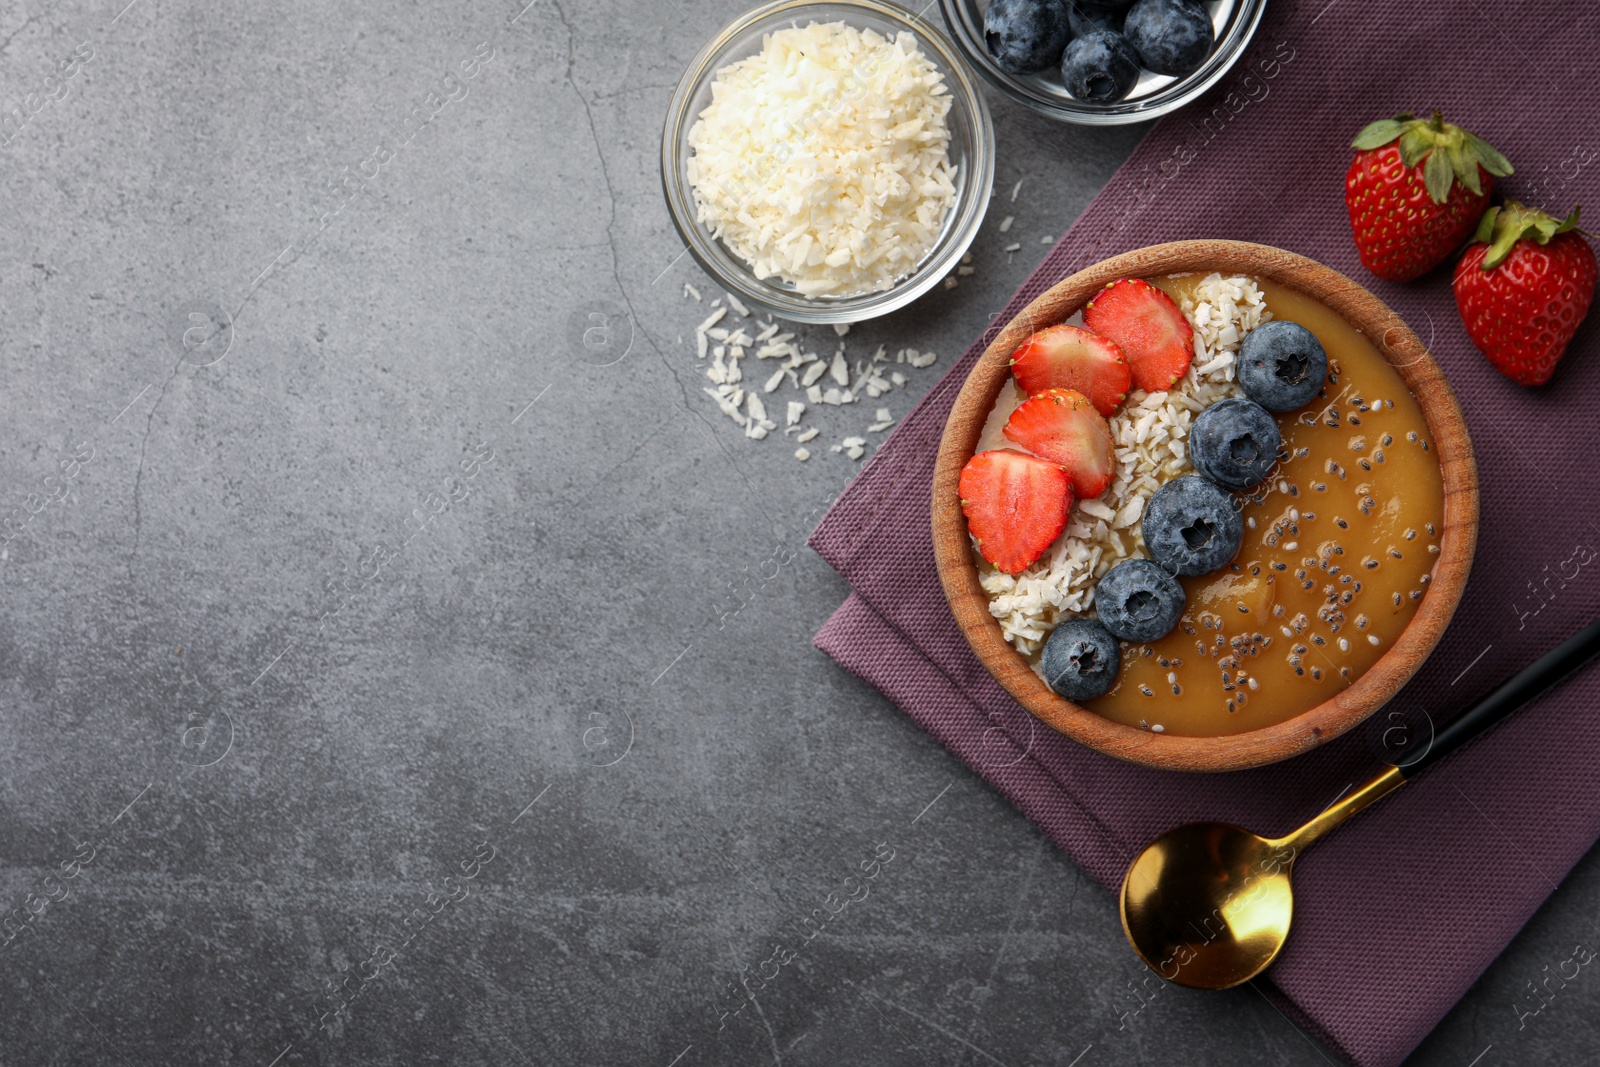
x=1138 y=601
x=1100 y=67
x=1191 y=526
x=1235 y=443
x=1080 y=659
x=1282 y=365
x=1086 y=15
x=1171 y=36
x=1026 y=36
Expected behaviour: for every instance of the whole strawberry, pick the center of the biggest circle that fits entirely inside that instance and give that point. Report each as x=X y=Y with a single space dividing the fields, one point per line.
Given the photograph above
x=1415 y=191
x=1523 y=288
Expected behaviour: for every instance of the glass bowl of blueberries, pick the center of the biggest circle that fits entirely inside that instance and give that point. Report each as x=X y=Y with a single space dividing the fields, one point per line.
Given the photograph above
x=1102 y=62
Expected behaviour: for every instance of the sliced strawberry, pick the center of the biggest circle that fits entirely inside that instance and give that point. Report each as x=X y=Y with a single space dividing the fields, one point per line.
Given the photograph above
x=1016 y=505
x=1066 y=357
x=1154 y=335
x=1063 y=427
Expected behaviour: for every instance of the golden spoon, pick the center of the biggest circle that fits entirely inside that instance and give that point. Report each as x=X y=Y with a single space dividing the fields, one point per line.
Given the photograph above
x=1208 y=905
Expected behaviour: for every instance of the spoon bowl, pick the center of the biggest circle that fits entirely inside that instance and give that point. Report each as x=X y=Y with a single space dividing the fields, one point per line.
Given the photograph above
x=1208 y=905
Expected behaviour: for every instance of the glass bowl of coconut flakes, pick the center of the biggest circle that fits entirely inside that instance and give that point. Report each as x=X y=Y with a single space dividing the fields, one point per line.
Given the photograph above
x=828 y=162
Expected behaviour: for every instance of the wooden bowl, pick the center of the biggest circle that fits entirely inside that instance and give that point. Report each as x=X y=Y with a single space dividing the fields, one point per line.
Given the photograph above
x=1322 y=723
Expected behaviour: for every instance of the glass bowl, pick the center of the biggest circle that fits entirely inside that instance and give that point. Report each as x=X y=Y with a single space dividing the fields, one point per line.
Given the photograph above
x=971 y=158
x=1233 y=21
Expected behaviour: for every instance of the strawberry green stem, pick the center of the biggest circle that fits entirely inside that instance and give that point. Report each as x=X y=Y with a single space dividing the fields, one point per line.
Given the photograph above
x=1446 y=153
x=1502 y=227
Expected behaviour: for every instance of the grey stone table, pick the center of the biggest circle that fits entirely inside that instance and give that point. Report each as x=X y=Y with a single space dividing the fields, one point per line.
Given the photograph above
x=368 y=690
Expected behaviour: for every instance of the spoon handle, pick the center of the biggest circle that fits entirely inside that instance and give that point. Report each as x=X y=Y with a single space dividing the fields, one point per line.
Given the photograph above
x=1532 y=681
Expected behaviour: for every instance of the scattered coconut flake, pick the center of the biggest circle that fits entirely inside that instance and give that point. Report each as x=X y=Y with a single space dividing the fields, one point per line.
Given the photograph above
x=689 y=290
x=1015 y=189
x=808 y=434
x=839 y=369
x=802 y=454
x=724 y=343
x=1005 y=223
x=729 y=407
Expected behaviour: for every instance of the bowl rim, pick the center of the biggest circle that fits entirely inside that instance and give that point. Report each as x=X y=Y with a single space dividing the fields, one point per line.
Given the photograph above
x=1345 y=709
x=967 y=212
x=1182 y=91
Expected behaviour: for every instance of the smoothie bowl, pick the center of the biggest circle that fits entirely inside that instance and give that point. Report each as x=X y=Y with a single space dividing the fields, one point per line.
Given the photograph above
x=1204 y=506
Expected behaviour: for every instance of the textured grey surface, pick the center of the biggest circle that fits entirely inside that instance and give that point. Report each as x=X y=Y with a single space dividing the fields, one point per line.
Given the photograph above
x=289 y=775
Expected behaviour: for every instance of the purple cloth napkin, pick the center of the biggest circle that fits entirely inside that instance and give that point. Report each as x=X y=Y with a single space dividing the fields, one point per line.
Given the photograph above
x=1400 y=911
